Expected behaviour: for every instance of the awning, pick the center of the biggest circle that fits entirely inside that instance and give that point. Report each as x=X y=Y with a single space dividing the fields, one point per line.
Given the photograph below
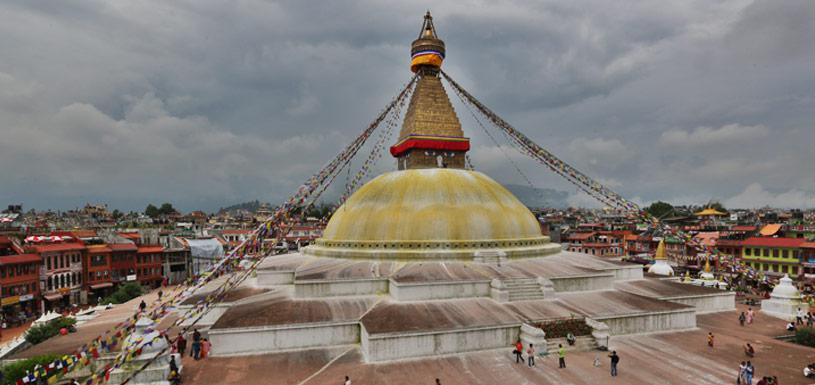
x=101 y=285
x=53 y=297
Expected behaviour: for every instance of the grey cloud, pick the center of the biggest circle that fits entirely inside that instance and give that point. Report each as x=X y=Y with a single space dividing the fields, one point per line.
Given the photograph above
x=207 y=103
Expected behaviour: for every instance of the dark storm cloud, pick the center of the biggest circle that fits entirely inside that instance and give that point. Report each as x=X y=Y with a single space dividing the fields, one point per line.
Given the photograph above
x=207 y=103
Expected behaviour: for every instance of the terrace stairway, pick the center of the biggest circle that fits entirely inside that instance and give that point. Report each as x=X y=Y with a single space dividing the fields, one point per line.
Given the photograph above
x=582 y=344
x=523 y=289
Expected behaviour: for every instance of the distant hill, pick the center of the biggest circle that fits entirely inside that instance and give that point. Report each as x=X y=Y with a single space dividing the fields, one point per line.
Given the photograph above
x=539 y=197
x=248 y=206
x=529 y=196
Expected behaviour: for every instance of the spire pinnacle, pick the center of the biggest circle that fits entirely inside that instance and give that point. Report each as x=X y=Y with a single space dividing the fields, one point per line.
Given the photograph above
x=660 y=254
x=427 y=51
x=431 y=135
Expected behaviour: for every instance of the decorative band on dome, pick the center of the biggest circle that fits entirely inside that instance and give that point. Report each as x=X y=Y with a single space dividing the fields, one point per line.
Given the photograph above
x=442 y=143
x=426 y=57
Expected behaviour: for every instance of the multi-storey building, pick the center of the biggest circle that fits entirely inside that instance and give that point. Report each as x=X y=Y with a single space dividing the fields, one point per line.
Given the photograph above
x=808 y=257
x=62 y=273
x=19 y=282
x=123 y=262
x=774 y=256
x=149 y=271
x=602 y=243
x=99 y=278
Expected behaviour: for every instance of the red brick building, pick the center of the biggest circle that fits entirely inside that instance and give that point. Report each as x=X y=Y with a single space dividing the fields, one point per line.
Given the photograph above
x=149 y=265
x=123 y=262
x=19 y=282
x=99 y=270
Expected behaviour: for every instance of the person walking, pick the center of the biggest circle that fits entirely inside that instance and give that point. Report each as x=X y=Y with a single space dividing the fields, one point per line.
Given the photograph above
x=142 y=306
x=181 y=344
x=748 y=373
x=742 y=318
x=799 y=317
x=160 y=293
x=530 y=354
x=615 y=359
x=519 y=348
x=205 y=347
x=742 y=368
x=750 y=315
x=196 y=344
x=438 y=382
x=710 y=339
x=347 y=381
x=810 y=317
x=561 y=356
x=749 y=351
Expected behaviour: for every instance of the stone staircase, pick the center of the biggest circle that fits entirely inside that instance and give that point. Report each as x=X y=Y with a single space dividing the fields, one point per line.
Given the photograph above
x=582 y=344
x=492 y=257
x=523 y=289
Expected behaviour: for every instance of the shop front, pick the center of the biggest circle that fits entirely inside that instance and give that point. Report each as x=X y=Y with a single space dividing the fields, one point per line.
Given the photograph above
x=19 y=309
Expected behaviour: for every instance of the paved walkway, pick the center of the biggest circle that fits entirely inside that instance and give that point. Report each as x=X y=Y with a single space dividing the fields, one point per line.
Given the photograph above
x=11 y=333
x=667 y=358
x=91 y=329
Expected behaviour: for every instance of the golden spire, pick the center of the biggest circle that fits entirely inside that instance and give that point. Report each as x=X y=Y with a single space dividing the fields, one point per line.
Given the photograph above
x=660 y=254
x=707 y=265
x=431 y=135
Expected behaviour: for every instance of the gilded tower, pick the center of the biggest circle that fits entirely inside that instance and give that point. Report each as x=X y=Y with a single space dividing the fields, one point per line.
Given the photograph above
x=431 y=135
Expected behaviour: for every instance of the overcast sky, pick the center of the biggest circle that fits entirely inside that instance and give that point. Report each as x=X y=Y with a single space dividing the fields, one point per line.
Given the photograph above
x=210 y=103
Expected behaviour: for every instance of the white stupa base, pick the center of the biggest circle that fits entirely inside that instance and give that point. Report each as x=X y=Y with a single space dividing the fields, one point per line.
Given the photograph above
x=661 y=267
x=780 y=308
x=784 y=301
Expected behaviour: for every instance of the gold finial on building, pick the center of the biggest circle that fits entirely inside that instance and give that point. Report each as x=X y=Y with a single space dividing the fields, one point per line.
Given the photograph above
x=431 y=135
x=707 y=265
x=660 y=254
x=427 y=52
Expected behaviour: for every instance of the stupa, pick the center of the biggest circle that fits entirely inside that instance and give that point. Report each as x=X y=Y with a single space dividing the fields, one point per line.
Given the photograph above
x=661 y=266
x=434 y=259
x=784 y=302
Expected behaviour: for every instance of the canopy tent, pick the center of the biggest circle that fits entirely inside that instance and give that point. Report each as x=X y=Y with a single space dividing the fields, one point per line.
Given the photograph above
x=204 y=253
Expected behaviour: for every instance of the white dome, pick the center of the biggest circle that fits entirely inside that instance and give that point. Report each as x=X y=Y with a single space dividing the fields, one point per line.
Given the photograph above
x=146 y=337
x=785 y=289
x=661 y=267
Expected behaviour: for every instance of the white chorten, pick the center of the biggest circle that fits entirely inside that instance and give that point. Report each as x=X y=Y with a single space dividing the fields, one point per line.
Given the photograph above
x=661 y=266
x=784 y=301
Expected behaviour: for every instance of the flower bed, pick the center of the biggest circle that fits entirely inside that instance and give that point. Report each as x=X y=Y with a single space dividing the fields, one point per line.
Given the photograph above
x=560 y=328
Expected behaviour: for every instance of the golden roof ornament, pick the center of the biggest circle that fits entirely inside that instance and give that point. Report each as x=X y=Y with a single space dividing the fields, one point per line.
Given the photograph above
x=660 y=254
x=431 y=135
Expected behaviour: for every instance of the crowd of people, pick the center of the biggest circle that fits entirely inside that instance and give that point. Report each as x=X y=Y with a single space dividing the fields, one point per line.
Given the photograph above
x=518 y=352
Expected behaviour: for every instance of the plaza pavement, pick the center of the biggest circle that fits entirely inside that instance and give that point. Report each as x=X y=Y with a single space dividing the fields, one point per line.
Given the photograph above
x=661 y=358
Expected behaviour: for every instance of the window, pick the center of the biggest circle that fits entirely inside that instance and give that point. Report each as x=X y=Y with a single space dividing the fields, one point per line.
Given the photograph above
x=775 y=253
x=785 y=253
x=766 y=252
x=97 y=260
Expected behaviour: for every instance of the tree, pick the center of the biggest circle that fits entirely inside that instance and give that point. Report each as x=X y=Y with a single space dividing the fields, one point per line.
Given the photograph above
x=151 y=211
x=166 y=209
x=117 y=214
x=660 y=209
x=717 y=205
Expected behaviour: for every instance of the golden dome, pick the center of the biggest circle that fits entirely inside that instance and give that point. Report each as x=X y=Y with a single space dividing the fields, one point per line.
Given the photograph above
x=432 y=213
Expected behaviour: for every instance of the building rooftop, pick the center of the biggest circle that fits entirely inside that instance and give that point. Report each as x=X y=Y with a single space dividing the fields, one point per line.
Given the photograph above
x=773 y=242
x=19 y=258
